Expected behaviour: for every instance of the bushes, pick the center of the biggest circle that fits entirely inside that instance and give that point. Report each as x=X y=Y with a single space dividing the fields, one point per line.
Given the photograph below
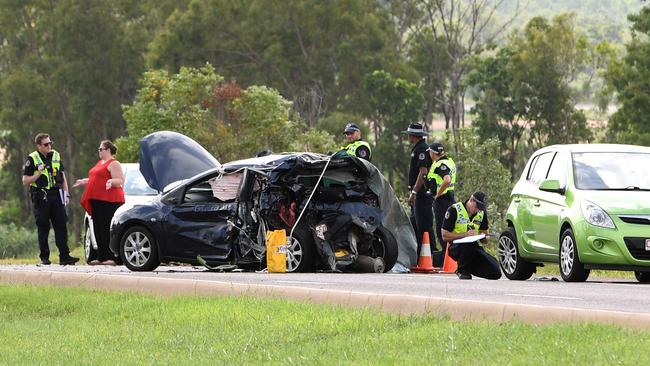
x=17 y=241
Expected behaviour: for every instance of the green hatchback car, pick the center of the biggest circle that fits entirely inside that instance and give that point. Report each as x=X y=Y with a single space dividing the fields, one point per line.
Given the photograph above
x=583 y=206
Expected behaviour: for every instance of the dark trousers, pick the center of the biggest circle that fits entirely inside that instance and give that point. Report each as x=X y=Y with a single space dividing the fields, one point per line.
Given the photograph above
x=423 y=217
x=440 y=207
x=49 y=208
x=103 y=212
x=473 y=259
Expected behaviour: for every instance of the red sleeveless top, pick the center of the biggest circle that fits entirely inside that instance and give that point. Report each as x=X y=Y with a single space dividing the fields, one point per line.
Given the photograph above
x=96 y=188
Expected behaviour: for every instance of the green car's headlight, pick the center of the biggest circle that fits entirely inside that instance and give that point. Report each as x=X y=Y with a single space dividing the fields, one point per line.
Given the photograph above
x=596 y=215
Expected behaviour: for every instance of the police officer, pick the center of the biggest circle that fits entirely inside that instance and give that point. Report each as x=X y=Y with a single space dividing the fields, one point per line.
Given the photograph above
x=419 y=199
x=465 y=219
x=442 y=177
x=48 y=189
x=356 y=146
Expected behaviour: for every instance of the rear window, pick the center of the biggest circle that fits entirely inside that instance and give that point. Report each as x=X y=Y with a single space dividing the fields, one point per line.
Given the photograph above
x=611 y=171
x=135 y=185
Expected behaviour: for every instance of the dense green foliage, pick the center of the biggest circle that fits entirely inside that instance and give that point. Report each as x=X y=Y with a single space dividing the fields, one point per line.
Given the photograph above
x=222 y=117
x=525 y=98
x=630 y=77
x=287 y=75
x=17 y=241
x=42 y=325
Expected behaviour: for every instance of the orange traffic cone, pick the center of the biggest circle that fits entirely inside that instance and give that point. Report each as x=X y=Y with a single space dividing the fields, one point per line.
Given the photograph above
x=449 y=265
x=425 y=263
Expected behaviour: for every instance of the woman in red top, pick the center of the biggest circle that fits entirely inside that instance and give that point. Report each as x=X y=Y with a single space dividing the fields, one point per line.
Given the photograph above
x=103 y=195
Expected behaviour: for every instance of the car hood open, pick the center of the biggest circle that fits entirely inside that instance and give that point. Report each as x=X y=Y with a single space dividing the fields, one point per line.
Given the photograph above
x=166 y=157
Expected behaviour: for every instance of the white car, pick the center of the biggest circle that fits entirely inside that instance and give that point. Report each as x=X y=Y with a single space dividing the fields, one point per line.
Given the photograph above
x=136 y=191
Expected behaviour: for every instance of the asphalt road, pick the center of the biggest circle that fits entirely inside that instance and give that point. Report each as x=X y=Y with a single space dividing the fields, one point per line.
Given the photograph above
x=608 y=294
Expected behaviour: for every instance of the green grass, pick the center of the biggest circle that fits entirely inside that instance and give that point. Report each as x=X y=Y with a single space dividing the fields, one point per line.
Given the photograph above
x=77 y=251
x=46 y=325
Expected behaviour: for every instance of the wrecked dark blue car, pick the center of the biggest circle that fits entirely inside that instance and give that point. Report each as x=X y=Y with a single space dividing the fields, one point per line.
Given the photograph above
x=340 y=214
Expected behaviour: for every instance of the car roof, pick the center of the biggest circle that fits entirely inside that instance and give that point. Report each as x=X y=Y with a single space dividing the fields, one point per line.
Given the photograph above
x=579 y=148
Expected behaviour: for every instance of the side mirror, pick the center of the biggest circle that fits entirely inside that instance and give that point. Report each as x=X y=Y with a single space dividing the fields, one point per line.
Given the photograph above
x=551 y=185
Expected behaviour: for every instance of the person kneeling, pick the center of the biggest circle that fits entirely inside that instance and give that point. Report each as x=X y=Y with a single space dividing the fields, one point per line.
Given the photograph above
x=464 y=219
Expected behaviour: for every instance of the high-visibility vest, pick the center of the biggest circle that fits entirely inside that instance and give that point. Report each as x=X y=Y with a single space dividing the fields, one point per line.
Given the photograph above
x=463 y=221
x=51 y=173
x=452 y=172
x=351 y=149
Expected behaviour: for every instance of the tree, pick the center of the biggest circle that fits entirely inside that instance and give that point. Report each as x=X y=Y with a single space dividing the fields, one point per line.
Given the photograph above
x=394 y=103
x=463 y=28
x=630 y=78
x=219 y=115
x=524 y=91
x=313 y=52
x=66 y=68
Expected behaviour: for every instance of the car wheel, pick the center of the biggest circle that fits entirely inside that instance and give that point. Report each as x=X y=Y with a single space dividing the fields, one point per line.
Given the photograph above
x=301 y=251
x=384 y=245
x=643 y=277
x=138 y=250
x=90 y=253
x=512 y=265
x=571 y=269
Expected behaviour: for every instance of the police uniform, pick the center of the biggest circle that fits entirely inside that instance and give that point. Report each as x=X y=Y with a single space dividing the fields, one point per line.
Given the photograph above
x=47 y=198
x=358 y=148
x=471 y=257
x=421 y=210
x=441 y=168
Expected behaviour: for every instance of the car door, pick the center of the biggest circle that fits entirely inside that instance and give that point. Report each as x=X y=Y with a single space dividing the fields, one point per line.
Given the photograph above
x=530 y=210
x=548 y=209
x=201 y=223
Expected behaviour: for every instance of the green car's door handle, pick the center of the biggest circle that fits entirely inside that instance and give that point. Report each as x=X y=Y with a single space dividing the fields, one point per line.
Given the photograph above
x=516 y=200
x=537 y=204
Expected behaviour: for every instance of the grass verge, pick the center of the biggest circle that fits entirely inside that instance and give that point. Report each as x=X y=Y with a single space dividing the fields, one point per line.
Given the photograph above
x=47 y=325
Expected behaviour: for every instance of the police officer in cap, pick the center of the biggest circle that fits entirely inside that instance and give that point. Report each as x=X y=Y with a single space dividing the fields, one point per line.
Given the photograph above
x=442 y=178
x=356 y=146
x=464 y=219
x=48 y=189
x=419 y=199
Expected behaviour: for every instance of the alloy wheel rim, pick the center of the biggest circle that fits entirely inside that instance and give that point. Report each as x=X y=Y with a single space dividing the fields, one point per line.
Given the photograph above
x=567 y=255
x=137 y=249
x=507 y=252
x=294 y=255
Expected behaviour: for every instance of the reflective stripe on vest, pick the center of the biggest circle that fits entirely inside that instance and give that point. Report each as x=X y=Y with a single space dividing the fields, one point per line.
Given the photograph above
x=56 y=166
x=463 y=221
x=351 y=149
x=452 y=172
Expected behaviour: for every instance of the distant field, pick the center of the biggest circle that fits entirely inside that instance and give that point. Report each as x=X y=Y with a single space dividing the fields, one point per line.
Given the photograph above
x=45 y=325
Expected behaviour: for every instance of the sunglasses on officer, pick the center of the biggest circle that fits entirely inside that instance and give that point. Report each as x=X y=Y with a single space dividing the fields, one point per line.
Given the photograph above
x=49 y=143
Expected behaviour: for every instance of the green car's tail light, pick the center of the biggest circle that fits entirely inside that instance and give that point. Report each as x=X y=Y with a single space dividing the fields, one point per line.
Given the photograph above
x=596 y=215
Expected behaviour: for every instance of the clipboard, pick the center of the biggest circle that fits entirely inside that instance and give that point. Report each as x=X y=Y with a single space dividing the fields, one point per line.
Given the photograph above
x=469 y=239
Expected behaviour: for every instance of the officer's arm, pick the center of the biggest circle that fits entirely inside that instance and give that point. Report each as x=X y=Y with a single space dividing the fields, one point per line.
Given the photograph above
x=451 y=236
x=29 y=179
x=419 y=183
x=446 y=181
x=65 y=184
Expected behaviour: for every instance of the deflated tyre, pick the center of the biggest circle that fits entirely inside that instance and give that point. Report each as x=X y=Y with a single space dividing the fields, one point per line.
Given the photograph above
x=384 y=246
x=138 y=250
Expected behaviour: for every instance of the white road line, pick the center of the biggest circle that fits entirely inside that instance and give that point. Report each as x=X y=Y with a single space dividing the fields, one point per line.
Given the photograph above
x=304 y=282
x=547 y=297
